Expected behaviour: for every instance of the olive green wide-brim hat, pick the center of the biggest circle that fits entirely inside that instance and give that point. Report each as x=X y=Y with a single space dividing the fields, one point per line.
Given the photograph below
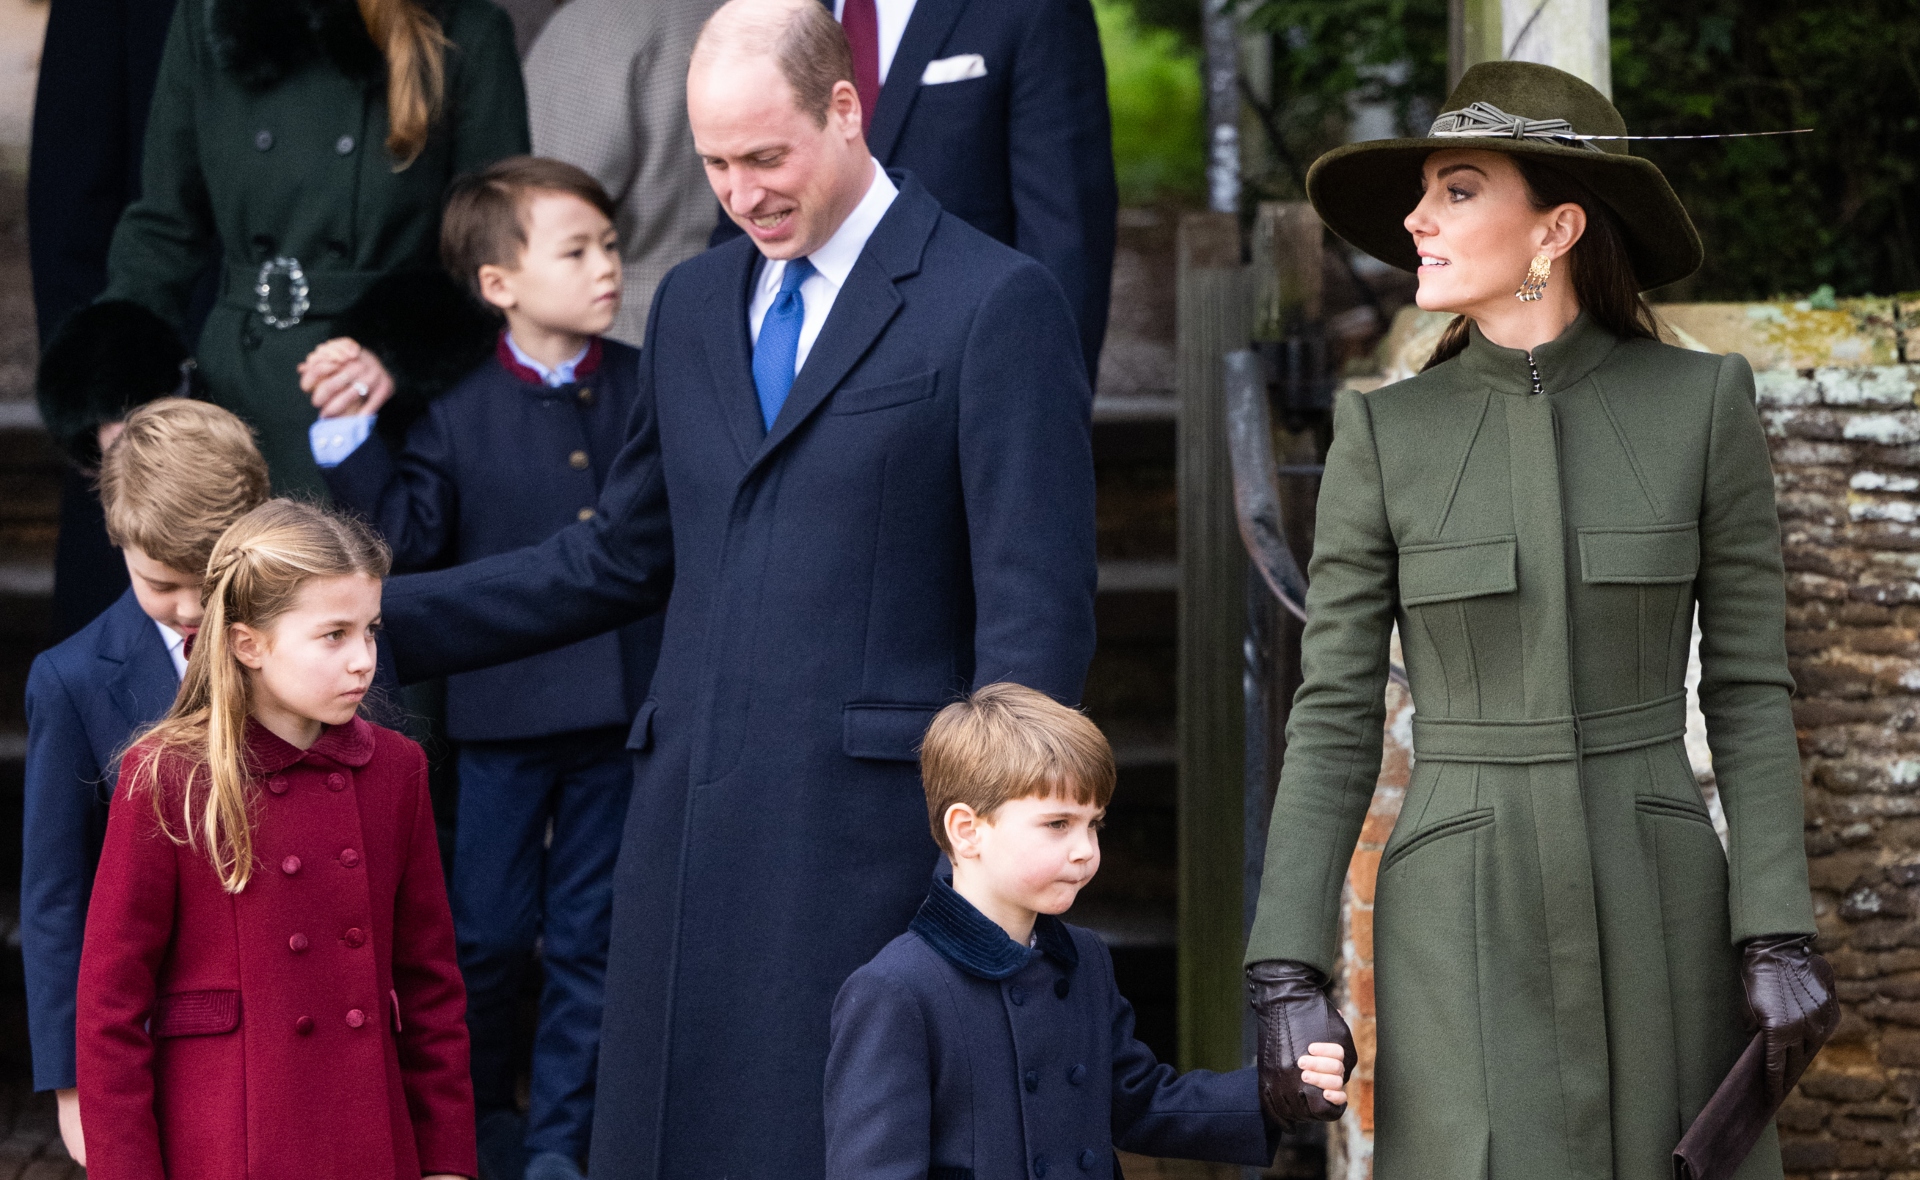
x=1364 y=191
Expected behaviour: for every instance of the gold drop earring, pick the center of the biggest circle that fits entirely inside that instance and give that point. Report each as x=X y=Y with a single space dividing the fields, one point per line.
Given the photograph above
x=1535 y=284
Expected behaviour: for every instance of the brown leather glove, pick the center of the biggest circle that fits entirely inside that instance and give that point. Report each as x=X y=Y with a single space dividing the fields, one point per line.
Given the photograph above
x=1790 y=996
x=1291 y=1010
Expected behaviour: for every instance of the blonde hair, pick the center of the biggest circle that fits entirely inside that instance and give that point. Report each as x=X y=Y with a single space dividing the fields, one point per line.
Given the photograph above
x=416 y=51
x=1008 y=742
x=178 y=476
x=255 y=574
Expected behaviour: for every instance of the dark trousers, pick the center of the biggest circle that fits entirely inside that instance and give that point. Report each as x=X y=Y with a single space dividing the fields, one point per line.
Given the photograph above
x=513 y=886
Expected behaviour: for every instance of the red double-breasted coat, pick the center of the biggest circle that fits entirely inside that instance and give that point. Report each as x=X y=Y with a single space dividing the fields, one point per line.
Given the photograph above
x=311 y=1025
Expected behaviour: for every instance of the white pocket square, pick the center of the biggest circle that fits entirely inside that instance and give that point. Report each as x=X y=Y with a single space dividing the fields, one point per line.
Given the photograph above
x=954 y=69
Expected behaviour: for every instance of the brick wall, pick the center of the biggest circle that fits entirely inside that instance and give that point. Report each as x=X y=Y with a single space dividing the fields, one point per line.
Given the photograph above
x=1842 y=414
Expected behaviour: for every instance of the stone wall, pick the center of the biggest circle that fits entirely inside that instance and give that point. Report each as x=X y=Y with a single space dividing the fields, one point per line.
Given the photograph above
x=1842 y=413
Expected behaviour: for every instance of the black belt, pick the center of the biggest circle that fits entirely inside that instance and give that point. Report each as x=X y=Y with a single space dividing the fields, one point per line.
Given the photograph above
x=282 y=291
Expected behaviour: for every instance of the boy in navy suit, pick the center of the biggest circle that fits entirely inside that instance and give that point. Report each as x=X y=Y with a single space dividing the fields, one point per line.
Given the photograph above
x=175 y=476
x=513 y=454
x=989 y=1041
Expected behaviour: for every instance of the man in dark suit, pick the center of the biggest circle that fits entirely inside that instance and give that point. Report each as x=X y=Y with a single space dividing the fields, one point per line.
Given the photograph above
x=861 y=464
x=998 y=107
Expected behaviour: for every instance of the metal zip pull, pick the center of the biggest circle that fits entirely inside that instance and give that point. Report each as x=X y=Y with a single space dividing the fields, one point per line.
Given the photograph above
x=1535 y=370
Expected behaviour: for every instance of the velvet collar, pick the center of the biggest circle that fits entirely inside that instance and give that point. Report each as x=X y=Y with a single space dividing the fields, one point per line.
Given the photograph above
x=588 y=365
x=264 y=42
x=972 y=942
x=347 y=745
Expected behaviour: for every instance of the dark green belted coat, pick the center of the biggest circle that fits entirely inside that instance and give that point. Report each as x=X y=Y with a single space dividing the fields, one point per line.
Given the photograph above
x=1555 y=924
x=267 y=140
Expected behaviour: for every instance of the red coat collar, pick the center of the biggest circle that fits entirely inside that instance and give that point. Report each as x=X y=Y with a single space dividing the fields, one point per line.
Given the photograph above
x=585 y=368
x=348 y=745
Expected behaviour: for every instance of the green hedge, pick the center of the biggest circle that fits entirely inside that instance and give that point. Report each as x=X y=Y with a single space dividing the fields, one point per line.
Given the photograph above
x=1153 y=85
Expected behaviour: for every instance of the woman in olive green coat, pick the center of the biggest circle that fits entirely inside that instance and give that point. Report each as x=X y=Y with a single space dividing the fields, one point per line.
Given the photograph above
x=302 y=149
x=1560 y=944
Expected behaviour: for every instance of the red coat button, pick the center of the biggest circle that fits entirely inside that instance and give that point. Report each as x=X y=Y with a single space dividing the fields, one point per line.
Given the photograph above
x=297 y=943
x=349 y=857
x=277 y=784
x=355 y=938
x=304 y=1025
x=290 y=866
x=355 y=1018
x=336 y=782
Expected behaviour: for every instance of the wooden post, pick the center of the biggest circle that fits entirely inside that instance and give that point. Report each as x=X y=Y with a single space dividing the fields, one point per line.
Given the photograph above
x=1569 y=34
x=1213 y=316
x=1288 y=243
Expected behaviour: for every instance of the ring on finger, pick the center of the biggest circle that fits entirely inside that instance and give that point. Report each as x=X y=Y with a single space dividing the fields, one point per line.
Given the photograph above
x=361 y=389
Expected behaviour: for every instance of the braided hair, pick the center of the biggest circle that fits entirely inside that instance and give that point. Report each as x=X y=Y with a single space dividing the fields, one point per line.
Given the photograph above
x=253 y=577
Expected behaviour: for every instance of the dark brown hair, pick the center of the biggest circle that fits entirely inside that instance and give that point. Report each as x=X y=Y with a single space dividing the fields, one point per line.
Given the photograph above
x=1604 y=283
x=485 y=221
x=1008 y=742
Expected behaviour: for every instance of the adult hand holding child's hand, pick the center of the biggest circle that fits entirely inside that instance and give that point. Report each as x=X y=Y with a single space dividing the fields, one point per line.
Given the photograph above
x=1305 y=1048
x=344 y=379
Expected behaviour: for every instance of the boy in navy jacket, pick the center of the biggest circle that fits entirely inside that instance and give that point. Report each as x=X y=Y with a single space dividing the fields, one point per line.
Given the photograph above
x=989 y=1042
x=175 y=476
x=508 y=457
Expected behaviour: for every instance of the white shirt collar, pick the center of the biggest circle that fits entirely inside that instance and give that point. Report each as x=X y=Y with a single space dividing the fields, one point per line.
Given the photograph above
x=176 y=647
x=560 y=374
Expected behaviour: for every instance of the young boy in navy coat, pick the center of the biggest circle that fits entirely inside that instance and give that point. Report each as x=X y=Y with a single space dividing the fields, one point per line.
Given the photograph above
x=989 y=1042
x=176 y=476
x=508 y=457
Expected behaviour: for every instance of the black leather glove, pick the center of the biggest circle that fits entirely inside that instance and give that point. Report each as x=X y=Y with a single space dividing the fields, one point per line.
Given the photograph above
x=1292 y=1010
x=1791 y=999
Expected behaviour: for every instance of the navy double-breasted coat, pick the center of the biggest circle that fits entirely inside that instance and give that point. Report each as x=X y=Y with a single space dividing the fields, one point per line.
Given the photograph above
x=919 y=520
x=960 y=1055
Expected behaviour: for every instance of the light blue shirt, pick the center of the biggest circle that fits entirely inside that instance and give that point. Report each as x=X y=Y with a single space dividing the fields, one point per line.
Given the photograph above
x=560 y=374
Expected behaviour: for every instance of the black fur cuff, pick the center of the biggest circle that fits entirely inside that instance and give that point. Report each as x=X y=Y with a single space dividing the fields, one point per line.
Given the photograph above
x=106 y=359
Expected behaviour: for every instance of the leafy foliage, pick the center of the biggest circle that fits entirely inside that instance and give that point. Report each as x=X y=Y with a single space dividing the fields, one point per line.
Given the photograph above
x=1153 y=87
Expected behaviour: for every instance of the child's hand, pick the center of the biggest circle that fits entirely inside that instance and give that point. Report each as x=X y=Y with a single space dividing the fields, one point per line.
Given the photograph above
x=344 y=380
x=1322 y=1065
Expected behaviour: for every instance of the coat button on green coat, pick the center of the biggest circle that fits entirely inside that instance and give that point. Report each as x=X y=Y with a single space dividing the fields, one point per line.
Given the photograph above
x=262 y=139
x=344 y=145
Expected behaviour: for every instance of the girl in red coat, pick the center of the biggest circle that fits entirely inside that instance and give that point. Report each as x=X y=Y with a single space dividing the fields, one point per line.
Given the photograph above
x=268 y=986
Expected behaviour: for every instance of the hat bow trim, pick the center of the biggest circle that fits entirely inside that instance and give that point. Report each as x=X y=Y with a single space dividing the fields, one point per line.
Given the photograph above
x=1483 y=120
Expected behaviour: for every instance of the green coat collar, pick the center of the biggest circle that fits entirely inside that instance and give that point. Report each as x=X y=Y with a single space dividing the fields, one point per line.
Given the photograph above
x=1563 y=362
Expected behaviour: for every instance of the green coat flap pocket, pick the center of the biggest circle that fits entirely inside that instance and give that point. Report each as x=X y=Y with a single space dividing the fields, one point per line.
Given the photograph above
x=1457 y=569
x=887 y=733
x=196 y=1014
x=1648 y=555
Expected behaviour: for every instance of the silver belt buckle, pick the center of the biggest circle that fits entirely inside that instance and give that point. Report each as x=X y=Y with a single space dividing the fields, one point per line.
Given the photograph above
x=297 y=292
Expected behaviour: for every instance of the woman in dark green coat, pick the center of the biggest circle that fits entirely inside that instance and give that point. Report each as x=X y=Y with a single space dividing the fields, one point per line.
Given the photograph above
x=1560 y=944
x=301 y=148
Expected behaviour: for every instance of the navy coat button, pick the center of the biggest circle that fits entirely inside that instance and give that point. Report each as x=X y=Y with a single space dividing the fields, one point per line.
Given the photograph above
x=262 y=139
x=1032 y=1080
x=344 y=145
x=1017 y=995
x=1087 y=1159
x=355 y=1018
x=1076 y=1075
x=577 y=460
x=336 y=782
x=297 y=943
x=349 y=857
x=1061 y=987
x=354 y=938
x=585 y=514
x=303 y=1025
x=585 y=395
x=290 y=866
x=277 y=784
x=1039 y=1165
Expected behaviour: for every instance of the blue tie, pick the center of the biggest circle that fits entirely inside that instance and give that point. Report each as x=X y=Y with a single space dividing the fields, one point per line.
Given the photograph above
x=779 y=344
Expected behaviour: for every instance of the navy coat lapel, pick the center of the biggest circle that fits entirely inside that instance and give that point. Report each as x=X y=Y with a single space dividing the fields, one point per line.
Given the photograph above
x=863 y=308
x=729 y=350
x=926 y=31
x=143 y=686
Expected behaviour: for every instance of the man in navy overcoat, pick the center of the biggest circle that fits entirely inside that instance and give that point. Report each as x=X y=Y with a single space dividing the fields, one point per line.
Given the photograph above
x=998 y=107
x=861 y=464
